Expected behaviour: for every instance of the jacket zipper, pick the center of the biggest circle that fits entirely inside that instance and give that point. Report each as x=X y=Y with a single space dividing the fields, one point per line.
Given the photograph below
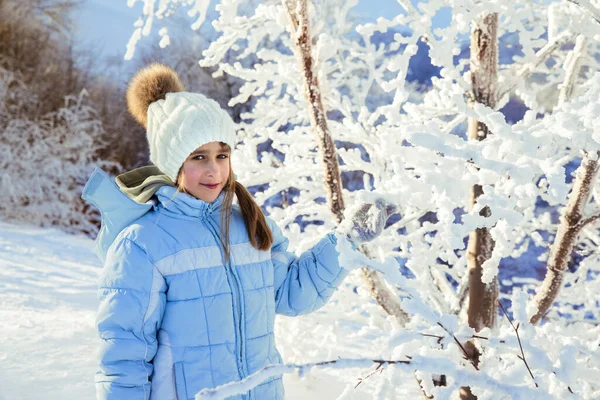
x=236 y=287
x=239 y=325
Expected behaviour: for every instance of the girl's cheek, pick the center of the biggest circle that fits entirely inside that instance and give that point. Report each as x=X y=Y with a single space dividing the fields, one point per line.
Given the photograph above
x=193 y=172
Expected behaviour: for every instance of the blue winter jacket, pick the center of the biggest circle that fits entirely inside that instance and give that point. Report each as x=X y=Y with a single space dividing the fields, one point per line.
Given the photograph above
x=173 y=318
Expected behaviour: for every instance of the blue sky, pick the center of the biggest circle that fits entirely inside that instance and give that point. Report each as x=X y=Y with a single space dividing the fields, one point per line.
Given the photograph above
x=373 y=9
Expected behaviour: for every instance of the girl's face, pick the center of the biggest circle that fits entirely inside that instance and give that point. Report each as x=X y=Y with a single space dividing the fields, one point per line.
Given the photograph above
x=205 y=172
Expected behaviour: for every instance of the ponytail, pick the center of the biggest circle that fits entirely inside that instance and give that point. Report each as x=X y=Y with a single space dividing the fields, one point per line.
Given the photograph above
x=259 y=233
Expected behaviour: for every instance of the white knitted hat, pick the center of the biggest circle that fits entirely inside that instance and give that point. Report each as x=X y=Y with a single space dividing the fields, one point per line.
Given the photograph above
x=180 y=124
x=177 y=122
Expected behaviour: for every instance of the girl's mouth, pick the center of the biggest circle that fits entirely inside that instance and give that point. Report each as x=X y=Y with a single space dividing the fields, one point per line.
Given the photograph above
x=212 y=187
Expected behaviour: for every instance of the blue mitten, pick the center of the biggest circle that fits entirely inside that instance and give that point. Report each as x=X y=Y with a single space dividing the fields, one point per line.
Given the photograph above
x=363 y=222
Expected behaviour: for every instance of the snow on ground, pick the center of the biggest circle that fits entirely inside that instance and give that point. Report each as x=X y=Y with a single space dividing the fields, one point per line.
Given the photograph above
x=48 y=338
x=47 y=302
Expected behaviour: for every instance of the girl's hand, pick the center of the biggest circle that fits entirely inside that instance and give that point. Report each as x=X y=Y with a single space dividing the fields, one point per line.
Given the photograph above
x=365 y=221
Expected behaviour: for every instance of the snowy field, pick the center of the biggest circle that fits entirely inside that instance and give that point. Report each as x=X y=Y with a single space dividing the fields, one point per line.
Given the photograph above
x=47 y=310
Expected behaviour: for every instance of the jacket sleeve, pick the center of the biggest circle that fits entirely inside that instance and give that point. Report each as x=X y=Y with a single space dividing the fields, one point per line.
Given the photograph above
x=132 y=303
x=304 y=284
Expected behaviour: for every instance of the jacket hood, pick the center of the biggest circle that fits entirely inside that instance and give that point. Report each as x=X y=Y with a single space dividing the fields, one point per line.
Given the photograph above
x=122 y=201
x=142 y=183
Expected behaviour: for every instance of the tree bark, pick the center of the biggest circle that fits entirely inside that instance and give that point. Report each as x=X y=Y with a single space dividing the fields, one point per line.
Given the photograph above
x=572 y=220
x=566 y=237
x=300 y=32
x=484 y=77
x=312 y=92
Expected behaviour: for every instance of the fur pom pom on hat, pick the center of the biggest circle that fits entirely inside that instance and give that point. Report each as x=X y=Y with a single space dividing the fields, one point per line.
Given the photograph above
x=149 y=85
x=176 y=122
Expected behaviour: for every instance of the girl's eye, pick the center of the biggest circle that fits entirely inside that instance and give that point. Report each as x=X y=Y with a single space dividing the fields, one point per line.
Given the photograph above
x=221 y=156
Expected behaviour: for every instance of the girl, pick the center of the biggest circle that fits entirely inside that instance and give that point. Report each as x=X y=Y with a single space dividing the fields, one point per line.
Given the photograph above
x=191 y=283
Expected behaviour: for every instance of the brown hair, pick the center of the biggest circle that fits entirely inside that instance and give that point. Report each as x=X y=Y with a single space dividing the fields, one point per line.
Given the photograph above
x=258 y=230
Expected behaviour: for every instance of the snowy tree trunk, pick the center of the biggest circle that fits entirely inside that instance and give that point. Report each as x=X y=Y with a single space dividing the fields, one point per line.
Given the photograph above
x=302 y=39
x=572 y=221
x=484 y=76
x=298 y=13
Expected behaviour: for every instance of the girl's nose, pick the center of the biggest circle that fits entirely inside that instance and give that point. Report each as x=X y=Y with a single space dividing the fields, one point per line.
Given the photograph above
x=211 y=168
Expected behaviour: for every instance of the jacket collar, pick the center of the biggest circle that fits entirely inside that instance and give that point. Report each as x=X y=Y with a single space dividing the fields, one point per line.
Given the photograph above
x=182 y=204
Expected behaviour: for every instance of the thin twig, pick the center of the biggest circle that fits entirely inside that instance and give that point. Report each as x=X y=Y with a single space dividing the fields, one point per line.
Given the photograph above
x=522 y=356
x=587 y=221
x=379 y=368
x=467 y=356
x=439 y=338
x=472 y=337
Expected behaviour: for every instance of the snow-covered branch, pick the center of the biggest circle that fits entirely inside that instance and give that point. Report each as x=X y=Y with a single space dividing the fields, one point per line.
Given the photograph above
x=246 y=384
x=588 y=220
x=588 y=7
x=524 y=71
x=573 y=68
x=431 y=365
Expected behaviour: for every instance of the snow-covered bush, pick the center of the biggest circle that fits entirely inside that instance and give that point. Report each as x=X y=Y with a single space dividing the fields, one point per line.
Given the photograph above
x=46 y=161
